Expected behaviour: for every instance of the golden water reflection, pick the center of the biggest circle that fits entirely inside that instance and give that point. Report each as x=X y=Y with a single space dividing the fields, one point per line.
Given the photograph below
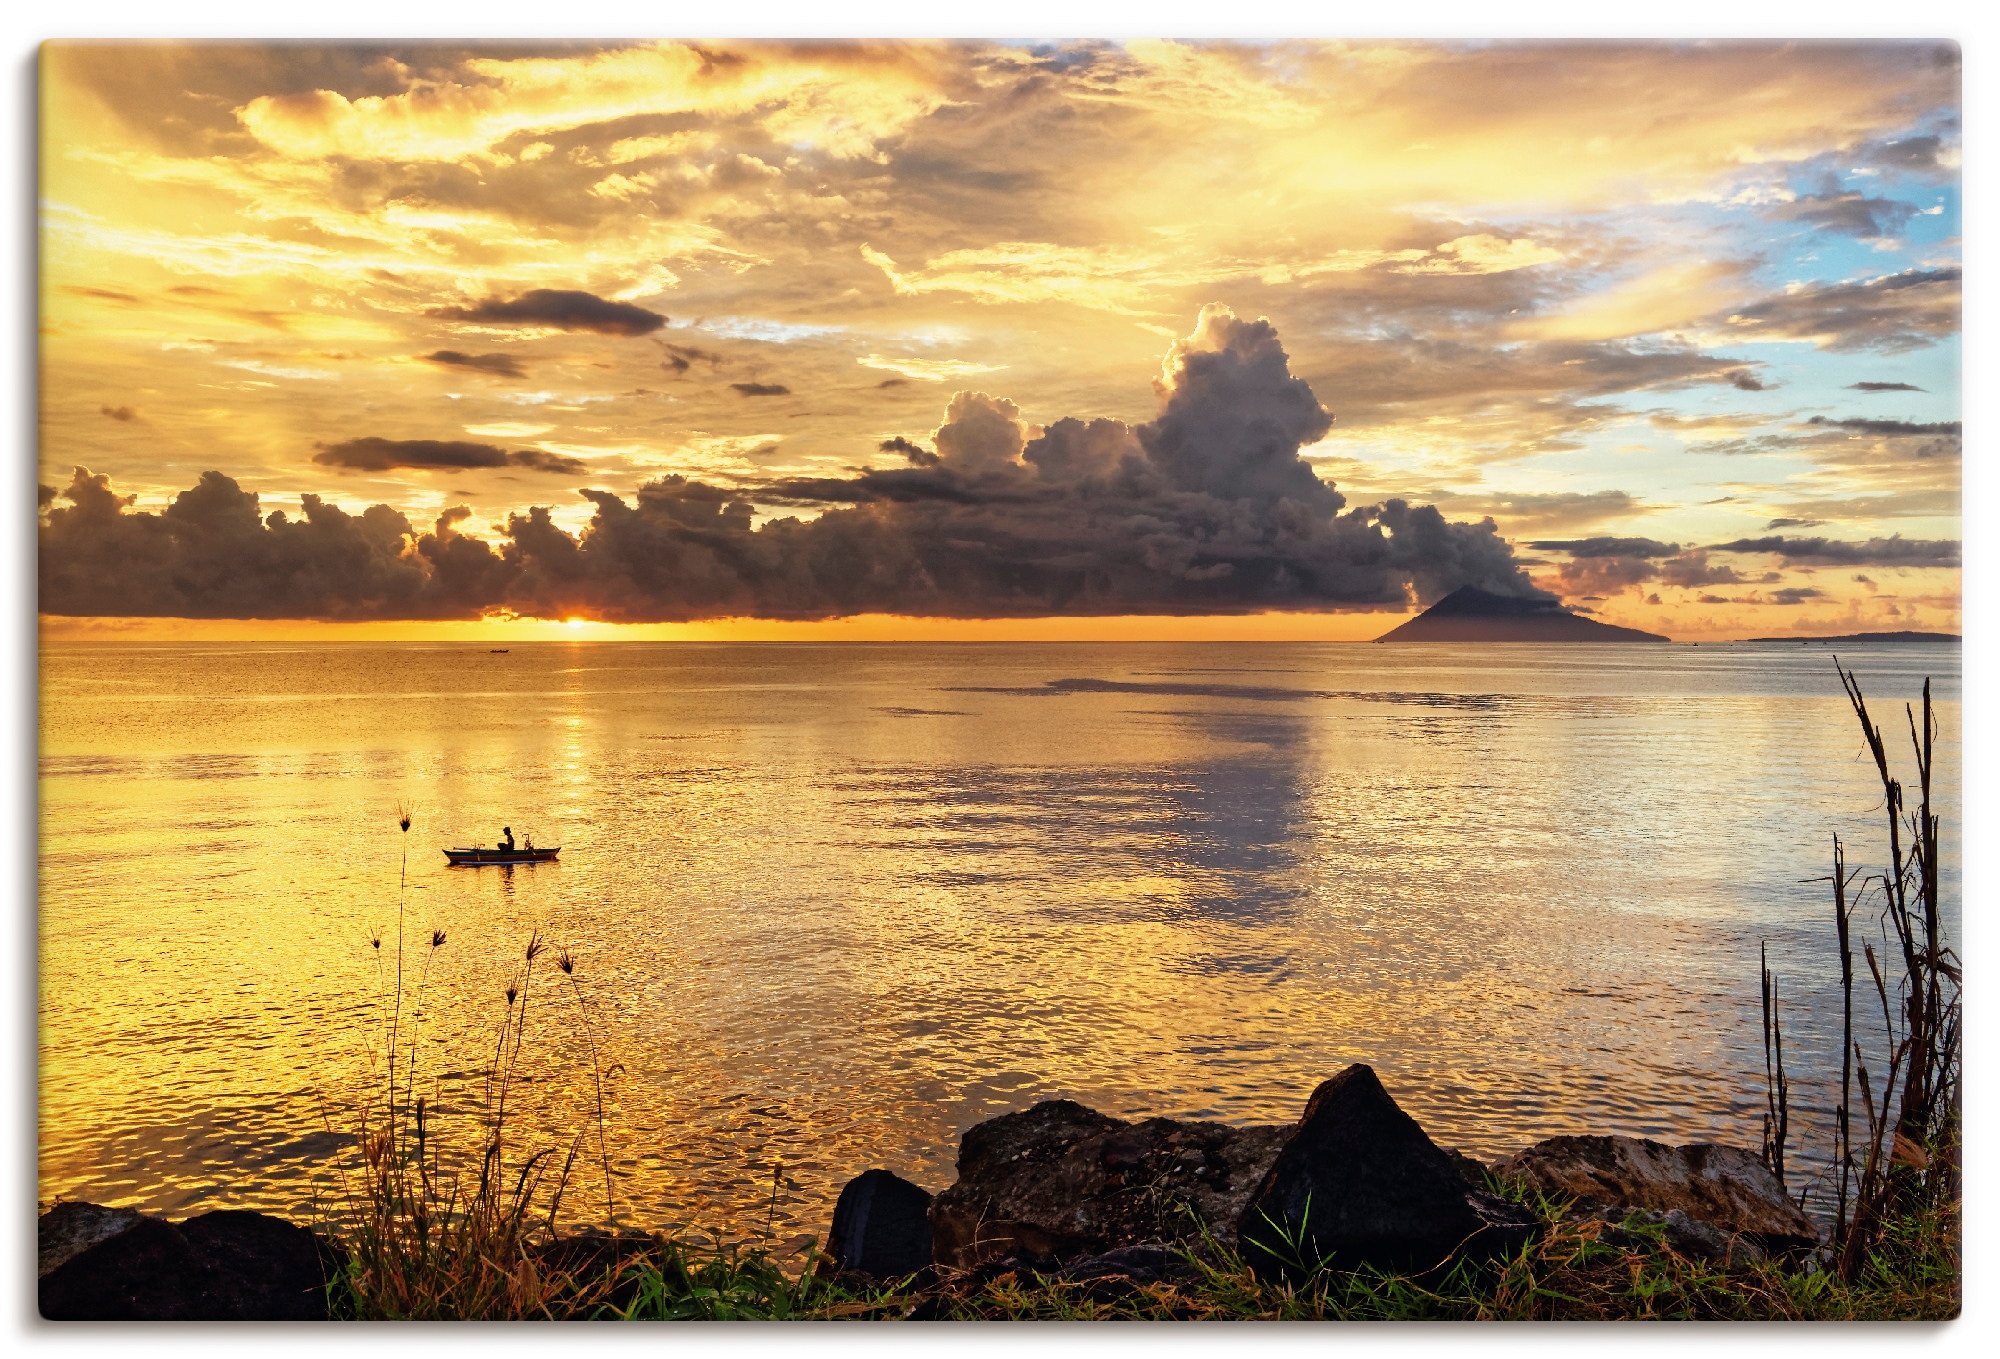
x=831 y=905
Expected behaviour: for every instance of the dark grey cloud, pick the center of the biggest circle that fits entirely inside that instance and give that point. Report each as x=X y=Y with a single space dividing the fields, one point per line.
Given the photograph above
x=1794 y=523
x=211 y=554
x=1207 y=508
x=1845 y=213
x=1889 y=429
x=1890 y=314
x=535 y=460
x=1791 y=595
x=562 y=308
x=917 y=454
x=122 y=414
x=681 y=357
x=1595 y=577
x=1692 y=570
x=760 y=389
x=500 y=365
x=1882 y=387
x=1607 y=547
x=1746 y=381
x=1892 y=551
x=373 y=454
x=1911 y=153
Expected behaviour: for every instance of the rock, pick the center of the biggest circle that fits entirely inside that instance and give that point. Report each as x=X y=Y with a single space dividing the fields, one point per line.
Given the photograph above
x=69 y=1229
x=147 y=1272
x=1726 y=1187
x=261 y=1268
x=1058 y=1182
x=1359 y=1183
x=1683 y=1235
x=224 y=1266
x=1142 y=1264
x=1472 y=1171
x=594 y=1254
x=881 y=1227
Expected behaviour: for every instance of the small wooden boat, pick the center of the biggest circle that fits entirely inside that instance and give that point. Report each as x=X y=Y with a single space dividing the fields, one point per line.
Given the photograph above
x=523 y=855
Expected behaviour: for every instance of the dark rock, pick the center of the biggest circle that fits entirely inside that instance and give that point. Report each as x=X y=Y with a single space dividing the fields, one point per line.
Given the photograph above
x=1473 y=1172
x=881 y=1227
x=69 y=1229
x=1059 y=1182
x=1359 y=1183
x=1145 y=1263
x=147 y=1272
x=593 y=1254
x=224 y=1266
x=1681 y=1233
x=1727 y=1187
x=261 y=1268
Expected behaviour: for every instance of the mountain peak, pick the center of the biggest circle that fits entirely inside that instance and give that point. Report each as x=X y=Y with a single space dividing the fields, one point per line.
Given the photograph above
x=1470 y=614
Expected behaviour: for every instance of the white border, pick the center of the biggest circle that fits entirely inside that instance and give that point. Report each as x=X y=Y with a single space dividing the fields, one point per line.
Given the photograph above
x=27 y=25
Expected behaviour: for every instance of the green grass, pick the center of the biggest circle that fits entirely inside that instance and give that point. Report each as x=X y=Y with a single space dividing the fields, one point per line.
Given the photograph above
x=1573 y=1272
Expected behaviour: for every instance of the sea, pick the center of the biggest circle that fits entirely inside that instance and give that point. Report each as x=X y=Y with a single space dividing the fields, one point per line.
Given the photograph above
x=822 y=908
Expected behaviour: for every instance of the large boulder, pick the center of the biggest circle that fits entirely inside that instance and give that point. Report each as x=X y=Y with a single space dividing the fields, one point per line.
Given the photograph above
x=106 y=1264
x=881 y=1227
x=1059 y=1182
x=1726 y=1187
x=1359 y=1183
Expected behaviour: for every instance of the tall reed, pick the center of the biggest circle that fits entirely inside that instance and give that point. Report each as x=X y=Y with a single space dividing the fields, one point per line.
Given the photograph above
x=1908 y=1159
x=433 y=1235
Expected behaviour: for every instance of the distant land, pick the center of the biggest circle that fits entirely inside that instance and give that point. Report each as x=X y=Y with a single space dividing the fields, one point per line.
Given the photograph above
x=1470 y=614
x=1869 y=637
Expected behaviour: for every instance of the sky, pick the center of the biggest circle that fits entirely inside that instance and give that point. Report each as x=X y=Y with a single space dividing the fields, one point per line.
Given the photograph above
x=991 y=341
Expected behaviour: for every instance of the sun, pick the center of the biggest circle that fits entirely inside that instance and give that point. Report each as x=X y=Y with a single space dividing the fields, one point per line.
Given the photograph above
x=576 y=622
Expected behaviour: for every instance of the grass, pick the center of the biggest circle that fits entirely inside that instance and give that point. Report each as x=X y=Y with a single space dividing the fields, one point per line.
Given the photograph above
x=1576 y=1271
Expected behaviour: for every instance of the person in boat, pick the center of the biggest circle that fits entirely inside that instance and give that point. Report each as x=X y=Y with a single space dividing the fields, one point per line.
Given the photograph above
x=508 y=843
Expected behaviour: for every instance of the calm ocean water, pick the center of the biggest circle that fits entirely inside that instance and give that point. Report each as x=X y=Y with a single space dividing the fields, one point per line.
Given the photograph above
x=832 y=905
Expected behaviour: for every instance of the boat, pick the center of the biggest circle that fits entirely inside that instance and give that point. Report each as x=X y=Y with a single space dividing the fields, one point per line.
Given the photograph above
x=523 y=855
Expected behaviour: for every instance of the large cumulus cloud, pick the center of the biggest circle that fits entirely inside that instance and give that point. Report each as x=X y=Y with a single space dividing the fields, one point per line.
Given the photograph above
x=1207 y=508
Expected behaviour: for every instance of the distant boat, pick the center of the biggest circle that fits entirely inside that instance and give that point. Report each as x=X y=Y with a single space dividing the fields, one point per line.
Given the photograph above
x=498 y=651
x=523 y=855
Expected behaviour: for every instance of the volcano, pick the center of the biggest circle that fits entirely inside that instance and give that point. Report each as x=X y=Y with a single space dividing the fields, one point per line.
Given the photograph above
x=1470 y=614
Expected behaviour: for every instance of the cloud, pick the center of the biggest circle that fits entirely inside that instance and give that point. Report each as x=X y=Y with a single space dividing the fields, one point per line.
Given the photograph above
x=122 y=414
x=925 y=370
x=1889 y=314
x=372 y=454
x=681 y=357
x=1597 y=577
x=1691 y=570
x=211 y=554
x=760 y=389
x=1915 y=153
x=559 y=309
x=1607 y=547
x=1890 y=429
x=1845 y=213
x=500 y=365
x=1794 y=523
x=1746 y=381
x=1882 y=387
x=538 y=461
x=1527 y=511
x=1207 y=508
x=1892 y=551
x=1792 y=595
x=918 y=455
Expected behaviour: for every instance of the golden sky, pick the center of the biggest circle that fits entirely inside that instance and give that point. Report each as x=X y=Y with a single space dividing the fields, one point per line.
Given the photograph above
x=1008 y=337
